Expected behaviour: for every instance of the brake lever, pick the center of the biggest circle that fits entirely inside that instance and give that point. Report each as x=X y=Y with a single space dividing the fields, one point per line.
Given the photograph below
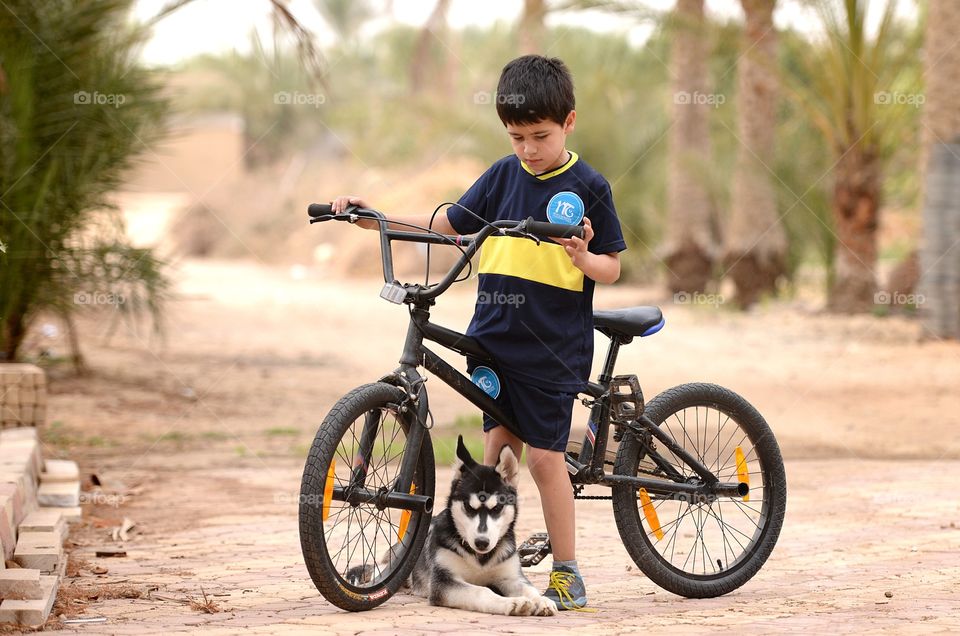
x=334 y=217
x=520 y=231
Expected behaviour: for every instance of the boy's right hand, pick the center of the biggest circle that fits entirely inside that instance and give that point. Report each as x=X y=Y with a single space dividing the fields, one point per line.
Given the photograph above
x=341 y=203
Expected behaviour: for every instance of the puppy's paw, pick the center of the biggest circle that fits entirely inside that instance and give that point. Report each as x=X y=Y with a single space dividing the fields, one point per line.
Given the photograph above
x=520 y=606
x=544 y=607
x=360 y=574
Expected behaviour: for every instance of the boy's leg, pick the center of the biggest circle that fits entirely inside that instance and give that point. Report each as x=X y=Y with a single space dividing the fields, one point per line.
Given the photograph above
x=494 y=441
x=549 y=470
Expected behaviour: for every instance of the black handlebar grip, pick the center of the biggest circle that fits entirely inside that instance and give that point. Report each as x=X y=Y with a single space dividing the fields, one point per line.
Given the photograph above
x=319 y=209
x=559 y=230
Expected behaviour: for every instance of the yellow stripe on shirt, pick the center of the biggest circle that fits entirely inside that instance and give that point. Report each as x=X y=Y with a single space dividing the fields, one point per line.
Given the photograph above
x=546 y=263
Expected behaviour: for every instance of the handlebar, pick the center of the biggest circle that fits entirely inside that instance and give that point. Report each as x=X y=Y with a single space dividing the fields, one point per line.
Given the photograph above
x=551 y=230
x=319 y=209
x=393 y=291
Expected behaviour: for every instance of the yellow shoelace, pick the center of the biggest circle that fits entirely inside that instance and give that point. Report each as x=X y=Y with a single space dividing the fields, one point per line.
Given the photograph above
x=560 y=581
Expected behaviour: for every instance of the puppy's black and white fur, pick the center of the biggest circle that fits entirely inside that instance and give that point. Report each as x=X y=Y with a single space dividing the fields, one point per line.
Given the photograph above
x=470 y=560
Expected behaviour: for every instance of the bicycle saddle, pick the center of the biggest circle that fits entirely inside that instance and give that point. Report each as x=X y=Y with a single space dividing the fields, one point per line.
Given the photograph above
x=629 y=321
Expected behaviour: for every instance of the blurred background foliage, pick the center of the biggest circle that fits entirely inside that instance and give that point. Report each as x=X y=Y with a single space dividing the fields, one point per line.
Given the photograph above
x=371 y=112
x=411 y=102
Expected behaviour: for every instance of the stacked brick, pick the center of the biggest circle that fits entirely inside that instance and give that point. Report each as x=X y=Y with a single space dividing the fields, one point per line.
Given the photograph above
x=23 y=395
x=37 y=500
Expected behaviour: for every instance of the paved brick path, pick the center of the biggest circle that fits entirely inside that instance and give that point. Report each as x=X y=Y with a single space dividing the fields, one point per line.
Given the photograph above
x=854 y=530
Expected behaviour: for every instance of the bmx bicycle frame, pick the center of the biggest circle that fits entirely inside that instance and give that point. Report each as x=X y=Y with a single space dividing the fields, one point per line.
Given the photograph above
x=587 y=469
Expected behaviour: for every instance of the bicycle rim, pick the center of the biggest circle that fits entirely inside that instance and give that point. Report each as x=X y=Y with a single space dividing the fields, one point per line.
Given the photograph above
x=707 y=537
x=365 y=543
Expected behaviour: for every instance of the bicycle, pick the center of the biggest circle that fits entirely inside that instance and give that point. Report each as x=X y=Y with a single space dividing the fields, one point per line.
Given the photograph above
x=697 y=482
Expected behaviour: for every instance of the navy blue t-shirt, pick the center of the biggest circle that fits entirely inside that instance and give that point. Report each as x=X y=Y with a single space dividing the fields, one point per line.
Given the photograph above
x=534 y=311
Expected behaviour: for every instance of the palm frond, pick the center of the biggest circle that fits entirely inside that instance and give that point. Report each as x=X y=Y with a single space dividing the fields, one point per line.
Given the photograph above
x=77 y=111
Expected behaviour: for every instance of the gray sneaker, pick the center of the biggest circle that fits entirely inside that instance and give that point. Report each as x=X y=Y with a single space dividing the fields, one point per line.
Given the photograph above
x=566 y=589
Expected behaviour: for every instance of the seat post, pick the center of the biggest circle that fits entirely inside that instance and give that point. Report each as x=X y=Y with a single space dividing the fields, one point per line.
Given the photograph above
x=606 y=374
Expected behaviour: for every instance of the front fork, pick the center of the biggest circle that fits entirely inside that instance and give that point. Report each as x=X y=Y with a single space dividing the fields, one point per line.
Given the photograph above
x=415 y=411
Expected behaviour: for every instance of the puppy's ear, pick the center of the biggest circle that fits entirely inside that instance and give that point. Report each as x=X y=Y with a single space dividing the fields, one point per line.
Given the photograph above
x=508 y=466
x=464 y=460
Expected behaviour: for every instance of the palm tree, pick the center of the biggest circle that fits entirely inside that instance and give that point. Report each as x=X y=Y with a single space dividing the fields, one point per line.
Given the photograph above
x=691 y=248
x=853 y=90
x=940 y=255
x=532 y=27
x=345 y=17
x=424 y=65
x=341 y=14
x=755 y=242
x=75 y=109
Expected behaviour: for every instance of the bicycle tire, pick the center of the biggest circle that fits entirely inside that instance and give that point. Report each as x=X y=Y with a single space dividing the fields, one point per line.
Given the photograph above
x=389 y=561
x=764 y=507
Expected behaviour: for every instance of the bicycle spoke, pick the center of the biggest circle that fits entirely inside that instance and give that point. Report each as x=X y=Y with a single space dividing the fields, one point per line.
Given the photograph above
x=715 y=543
x=363 y=536
x=736 y=530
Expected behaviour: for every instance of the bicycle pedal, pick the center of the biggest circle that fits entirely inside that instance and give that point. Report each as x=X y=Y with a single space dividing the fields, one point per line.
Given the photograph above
x=534 y=550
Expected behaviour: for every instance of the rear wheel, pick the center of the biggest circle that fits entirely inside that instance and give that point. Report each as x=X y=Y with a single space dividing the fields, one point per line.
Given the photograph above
x=359 y=555
x=702 y=547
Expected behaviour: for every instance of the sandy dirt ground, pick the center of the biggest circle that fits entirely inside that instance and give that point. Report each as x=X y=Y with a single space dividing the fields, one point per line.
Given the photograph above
x=200 y=440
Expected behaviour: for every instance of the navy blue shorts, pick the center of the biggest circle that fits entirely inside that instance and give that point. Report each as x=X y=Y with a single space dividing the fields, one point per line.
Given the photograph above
x=543 y=416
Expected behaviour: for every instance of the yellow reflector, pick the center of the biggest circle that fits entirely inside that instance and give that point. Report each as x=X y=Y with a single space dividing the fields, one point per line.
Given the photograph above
x=328 y=489
x=742 y=473
x=650 y=513
x=405 y=517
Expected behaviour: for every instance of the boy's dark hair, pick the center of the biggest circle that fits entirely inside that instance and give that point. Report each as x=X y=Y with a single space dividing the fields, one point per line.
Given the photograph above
x=534 y=88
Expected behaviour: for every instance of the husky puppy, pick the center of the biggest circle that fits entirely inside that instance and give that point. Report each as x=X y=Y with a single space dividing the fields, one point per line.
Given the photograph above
x=470 y=559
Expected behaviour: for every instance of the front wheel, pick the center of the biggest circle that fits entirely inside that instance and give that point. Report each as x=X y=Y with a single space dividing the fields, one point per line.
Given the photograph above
x=701 y=547
x=359 y=554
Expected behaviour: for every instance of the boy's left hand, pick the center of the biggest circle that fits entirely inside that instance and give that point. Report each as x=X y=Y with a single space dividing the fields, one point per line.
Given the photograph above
x=576 y=248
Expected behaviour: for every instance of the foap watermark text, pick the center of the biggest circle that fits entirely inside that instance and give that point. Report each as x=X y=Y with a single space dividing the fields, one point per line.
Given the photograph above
x=710 y=99
x=485 y=97
x=698 y=298
x=499 y=298
x=98 y=298
x=296 y=98
x=99 y=99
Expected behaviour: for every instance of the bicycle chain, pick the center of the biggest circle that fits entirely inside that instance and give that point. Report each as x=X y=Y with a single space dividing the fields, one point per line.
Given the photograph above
x=579 y=489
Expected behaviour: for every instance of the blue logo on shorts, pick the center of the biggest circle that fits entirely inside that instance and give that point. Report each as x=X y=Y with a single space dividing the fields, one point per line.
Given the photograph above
x=566 y=208
x=486 y=379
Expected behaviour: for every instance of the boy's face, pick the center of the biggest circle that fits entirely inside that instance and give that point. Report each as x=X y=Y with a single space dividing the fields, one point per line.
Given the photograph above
x=542 y=146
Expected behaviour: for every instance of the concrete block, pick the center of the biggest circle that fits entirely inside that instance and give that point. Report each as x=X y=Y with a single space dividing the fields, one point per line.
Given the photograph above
x=32 y=613
x=24 y=482
x=61 y=495
x=14 y=464
x=20 y=479
x=71 y=514
x=45 y=520
x=59 y=470
x=6 y=509
x=20 y=584
x=20 y=449
x=17 y=502
x=24 y=432
x=39 y=550
x=8 y=531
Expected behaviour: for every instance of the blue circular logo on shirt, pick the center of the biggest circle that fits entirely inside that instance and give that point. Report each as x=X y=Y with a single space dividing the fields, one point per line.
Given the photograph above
x=486 y=379
x=566 y=208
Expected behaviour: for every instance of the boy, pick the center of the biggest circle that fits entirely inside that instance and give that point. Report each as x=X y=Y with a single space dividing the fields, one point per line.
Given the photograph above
x=543 y=344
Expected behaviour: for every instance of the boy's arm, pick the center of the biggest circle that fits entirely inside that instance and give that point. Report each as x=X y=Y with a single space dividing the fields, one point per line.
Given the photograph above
x=601 y=268
x=440 y=222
